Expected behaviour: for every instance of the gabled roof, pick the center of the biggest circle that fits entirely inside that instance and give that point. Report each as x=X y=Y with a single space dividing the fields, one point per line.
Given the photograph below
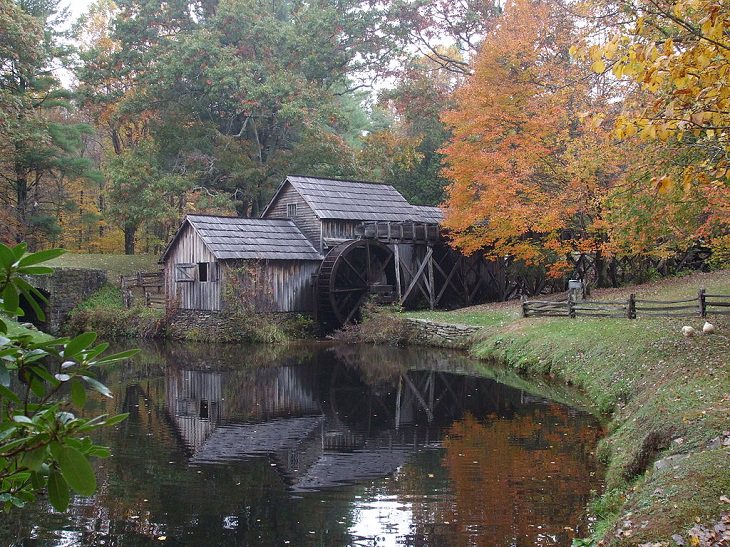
x=351 y=200
x=249 y=238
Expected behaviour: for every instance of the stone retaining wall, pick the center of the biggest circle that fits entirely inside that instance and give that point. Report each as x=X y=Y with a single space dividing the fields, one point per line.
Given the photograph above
x=211 y=326
x=201 y=325
x=443 y=335
x=65 y=289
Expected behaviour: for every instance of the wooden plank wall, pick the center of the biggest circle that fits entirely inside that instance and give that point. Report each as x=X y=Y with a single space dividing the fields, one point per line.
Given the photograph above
x=339 y=229
x=305 y=220
x=289 y=284
x=189 y=248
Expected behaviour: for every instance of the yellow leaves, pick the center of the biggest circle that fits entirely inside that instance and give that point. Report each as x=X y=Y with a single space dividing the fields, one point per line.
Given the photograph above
x=598 y=66
x=703 y=61
x=639 y=28
x=697 y=118
x=712 y=27
x=609 y=51
x=663 y=185
x=662 y=132
x=688 y=179
x=648 y=132
x=595 y=53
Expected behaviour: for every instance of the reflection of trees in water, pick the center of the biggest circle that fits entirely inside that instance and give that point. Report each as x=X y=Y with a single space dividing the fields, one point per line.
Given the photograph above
x=531 y=477
x=355 y=391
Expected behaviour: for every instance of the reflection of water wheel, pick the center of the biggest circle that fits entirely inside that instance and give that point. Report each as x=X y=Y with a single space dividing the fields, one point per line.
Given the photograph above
x=348 y=275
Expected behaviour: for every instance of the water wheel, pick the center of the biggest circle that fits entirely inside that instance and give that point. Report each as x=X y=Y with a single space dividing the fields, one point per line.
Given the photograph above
x=349 y=274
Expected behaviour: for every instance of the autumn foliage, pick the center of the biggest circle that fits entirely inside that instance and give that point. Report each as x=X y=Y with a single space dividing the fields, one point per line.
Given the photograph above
x=512 y=190
x=565 y=143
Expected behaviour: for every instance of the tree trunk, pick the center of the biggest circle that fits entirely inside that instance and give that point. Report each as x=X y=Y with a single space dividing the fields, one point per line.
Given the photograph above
x=129 y=233
x=601 y=266
x=21 y=196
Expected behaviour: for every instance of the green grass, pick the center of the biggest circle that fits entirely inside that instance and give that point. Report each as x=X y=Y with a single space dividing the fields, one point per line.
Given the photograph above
x=470 y=316
x=114 y=264
x=666 y=395
x=108 y=297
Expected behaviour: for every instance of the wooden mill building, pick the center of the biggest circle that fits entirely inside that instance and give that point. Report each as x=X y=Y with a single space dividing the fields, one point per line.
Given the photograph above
x=321 y=246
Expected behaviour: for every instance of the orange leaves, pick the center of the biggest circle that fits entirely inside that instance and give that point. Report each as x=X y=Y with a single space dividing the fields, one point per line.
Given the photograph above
x=512 y=189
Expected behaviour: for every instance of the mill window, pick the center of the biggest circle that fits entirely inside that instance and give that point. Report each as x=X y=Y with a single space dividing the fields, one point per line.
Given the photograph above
x=203 y=272
x=291 y=210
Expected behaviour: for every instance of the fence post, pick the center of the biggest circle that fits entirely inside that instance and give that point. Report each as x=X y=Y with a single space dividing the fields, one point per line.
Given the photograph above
x=524 y=305
x=702 y=302
x=631 y=308
x=571 y=309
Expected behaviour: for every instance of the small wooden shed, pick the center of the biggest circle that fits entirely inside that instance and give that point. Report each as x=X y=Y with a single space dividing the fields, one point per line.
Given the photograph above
x=272 y=256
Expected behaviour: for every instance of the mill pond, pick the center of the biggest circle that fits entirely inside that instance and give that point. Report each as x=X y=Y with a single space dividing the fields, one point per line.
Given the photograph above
x=325 y=445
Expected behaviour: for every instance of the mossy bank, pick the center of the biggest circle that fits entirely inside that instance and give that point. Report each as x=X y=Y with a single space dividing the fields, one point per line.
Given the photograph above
x=105 y=313
x=667 y=447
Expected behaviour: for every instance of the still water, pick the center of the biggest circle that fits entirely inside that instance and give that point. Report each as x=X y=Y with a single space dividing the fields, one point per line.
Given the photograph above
x=325 y=445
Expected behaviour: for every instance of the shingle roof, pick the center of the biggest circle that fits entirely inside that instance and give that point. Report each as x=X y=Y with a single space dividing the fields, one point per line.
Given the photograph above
x=251 y=238
x=354 y=200
x=425 y=213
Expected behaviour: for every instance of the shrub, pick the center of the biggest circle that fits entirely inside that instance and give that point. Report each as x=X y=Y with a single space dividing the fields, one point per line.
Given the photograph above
x=104 y=313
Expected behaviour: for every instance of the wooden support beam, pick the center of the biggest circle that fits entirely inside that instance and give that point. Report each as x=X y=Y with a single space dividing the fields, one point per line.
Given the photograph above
x=448 y=277
x=431 y=286
x=396 y=255
x=410 y=273
x=417 y=276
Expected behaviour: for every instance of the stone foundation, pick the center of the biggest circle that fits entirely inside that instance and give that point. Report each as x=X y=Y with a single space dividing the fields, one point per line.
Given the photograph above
x=201 y=325
x=211 y=326
x=65 y=289
x=442 y=335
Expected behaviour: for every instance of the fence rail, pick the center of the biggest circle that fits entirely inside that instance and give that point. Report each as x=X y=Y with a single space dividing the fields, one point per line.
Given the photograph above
x=703 y=304
x=149 y=287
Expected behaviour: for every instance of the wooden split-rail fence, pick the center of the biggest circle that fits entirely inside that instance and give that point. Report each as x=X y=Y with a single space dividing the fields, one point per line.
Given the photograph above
x=147 y=286
x=702 y=304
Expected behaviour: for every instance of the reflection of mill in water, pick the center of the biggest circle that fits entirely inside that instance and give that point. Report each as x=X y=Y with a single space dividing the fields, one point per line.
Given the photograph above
x=323 y=426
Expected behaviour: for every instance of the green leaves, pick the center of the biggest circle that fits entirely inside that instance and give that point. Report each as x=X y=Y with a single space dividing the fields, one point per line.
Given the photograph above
x=58 y=491
x=42 y=443
x=14 y=262
x=78 y=393
x=82 y=341
x=75 y=469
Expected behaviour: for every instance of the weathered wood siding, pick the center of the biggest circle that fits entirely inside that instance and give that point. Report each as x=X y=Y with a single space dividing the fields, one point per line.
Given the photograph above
x=192 y=295
x=305 y=220
x=275 y=285
x=338 y=230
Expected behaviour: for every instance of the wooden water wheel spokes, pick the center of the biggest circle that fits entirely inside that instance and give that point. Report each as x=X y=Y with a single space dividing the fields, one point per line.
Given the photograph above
x=350 y=273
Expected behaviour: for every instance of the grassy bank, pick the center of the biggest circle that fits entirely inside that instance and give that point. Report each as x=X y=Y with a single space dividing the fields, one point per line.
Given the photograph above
x=113 y=264
x=668 y=397
x=104 y=313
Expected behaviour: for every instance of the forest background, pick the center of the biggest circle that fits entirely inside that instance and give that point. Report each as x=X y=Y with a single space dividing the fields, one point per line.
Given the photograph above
x=545 y=128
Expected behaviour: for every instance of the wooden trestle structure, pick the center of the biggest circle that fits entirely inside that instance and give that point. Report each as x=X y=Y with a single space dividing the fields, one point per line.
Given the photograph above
x=407 y=263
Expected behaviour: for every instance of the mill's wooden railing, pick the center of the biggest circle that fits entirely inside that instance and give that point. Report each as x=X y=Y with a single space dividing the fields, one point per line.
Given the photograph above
x=702 y=304
x=150 y=286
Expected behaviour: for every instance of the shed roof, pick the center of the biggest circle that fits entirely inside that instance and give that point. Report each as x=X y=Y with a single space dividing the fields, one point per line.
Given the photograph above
x=250 y=238
x=353 y=200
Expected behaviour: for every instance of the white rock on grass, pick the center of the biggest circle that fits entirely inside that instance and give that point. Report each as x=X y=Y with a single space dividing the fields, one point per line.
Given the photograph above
x=708 y=328
x=688 y=331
